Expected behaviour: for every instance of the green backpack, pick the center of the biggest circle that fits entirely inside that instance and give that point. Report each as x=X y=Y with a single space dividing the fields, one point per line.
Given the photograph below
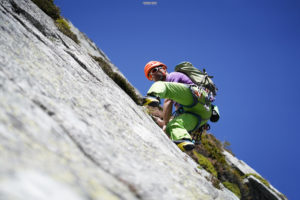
x=198 y=77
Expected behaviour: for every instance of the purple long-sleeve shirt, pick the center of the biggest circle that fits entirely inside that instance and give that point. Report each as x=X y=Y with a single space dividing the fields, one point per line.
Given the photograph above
x=179 y=78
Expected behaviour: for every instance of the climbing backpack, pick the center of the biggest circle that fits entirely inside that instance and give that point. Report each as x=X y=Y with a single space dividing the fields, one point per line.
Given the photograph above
x=200 y=78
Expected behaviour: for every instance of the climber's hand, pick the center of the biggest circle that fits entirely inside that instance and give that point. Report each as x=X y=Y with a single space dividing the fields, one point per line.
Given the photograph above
x=164 y=128
x=159 y=121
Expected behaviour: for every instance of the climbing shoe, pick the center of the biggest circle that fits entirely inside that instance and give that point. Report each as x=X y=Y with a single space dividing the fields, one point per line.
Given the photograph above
x=151 y=101
x=185 y=144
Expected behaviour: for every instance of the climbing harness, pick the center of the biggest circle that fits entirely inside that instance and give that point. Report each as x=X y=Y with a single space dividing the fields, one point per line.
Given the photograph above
x=198 y=93
x=181 y=110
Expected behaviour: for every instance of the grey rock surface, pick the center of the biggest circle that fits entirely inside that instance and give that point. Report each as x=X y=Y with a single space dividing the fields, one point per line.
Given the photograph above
x=259 y=189
x=67 y=131
x=262 y=191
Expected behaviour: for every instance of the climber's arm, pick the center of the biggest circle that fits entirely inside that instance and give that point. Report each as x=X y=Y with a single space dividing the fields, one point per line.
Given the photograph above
x=167 y=111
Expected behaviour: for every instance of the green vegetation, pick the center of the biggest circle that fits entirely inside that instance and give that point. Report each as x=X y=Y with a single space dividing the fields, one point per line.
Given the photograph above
x=226 y=146
x=64 y=27
x=261 y=179
x=209 y=155
x=233 y=188
x=206 y=164
x=53 y=11
x=211 y=149
x=118 y=79
x=49 y=8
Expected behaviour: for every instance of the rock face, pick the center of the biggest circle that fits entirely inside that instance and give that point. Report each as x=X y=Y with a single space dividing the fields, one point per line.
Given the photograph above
x=67 y=131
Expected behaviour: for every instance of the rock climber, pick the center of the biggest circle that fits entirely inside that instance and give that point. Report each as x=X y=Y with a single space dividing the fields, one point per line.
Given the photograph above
x=176 y=88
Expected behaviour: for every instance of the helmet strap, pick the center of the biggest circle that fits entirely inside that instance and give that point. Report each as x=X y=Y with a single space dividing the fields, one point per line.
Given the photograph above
x=163 y=77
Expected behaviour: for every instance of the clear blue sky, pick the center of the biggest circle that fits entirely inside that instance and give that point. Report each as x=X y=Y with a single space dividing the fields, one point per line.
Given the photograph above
x=251 y=47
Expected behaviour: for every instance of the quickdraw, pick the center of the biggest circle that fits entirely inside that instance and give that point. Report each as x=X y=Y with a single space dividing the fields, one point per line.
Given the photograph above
x=196 y=136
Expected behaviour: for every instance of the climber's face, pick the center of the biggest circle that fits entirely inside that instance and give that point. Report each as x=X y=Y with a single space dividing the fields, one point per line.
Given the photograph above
x=158 y=74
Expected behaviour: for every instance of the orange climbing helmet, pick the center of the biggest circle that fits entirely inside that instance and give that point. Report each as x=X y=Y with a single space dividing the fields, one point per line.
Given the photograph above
x=150 y=65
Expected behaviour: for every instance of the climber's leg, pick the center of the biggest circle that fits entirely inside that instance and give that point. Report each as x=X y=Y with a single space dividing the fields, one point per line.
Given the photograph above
x=178 y=130
x=178 y=92
x=178 y=127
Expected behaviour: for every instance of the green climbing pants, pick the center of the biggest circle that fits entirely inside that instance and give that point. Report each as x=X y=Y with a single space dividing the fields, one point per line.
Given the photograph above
x=179 y=127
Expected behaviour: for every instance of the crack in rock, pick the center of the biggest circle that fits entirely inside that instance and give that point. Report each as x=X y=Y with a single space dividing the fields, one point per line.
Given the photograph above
x=43 y=107
x=34 y=22
x=82 y=65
